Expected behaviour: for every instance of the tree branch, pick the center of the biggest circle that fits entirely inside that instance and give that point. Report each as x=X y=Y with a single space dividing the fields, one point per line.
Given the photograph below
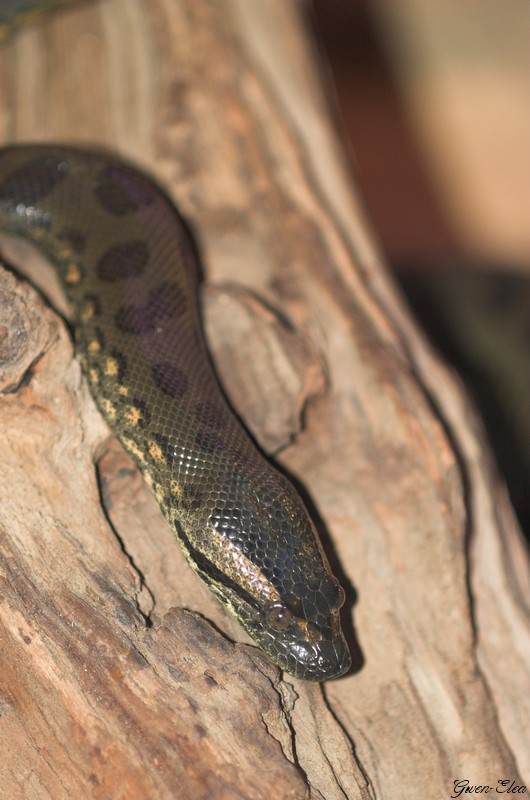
x=108 y=688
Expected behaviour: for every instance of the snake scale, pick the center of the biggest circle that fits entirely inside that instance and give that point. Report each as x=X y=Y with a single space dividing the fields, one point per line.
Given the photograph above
x=129 y=271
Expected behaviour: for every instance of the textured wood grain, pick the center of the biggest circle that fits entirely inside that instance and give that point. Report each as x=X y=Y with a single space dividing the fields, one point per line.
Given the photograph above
x=116 y=679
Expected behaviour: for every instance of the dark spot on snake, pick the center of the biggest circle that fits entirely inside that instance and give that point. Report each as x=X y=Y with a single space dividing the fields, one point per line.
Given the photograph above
x=134 y=319
x=74 y=238
x=167 y=300
x=126 y=260
x=170 y=379
x=33 y=181
x=121 y=191
x=209 y=442
x=210 y=415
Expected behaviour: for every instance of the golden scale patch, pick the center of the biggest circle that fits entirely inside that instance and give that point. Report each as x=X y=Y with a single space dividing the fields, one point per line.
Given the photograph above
x=73 y=274
x=112 y=367
x=133 y=415
x=156 y=453
x=88 y=311
x=108 y=408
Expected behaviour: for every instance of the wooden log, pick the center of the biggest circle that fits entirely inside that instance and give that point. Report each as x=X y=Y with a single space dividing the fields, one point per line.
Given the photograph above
x=120 y=675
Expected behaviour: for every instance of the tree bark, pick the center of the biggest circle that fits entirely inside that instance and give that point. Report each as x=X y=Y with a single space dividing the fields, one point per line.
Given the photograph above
x=120 y=675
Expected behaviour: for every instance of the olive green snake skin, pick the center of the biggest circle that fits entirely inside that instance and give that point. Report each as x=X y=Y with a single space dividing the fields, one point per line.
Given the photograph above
x=129 y=272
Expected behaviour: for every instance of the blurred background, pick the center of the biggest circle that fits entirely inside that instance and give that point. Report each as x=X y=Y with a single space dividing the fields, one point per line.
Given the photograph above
x=432 y=100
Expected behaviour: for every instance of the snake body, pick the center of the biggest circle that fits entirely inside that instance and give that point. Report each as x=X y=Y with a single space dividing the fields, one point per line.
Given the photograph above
x=128 y=269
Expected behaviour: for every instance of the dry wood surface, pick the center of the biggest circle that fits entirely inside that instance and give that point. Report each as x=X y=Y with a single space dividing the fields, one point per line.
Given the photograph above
x=120 y=676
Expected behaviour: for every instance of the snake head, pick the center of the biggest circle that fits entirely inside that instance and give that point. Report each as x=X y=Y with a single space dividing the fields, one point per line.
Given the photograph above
x=300 y=632
x=303 y=630
x=270 y=572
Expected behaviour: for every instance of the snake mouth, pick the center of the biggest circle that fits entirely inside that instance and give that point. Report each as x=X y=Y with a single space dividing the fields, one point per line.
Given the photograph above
x=322 y=661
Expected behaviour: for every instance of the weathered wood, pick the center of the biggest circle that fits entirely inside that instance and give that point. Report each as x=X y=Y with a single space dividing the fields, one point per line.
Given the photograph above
x=219 y=99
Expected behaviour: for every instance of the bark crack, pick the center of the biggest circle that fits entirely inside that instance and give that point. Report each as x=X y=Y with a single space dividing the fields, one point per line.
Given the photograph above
x=143 y=585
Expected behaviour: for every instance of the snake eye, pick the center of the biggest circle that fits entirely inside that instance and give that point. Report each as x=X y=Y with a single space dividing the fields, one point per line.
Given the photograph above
x=279 y=617
x=341 y=597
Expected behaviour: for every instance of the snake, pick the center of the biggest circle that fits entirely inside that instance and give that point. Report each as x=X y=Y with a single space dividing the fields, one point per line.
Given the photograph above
x=130 y=272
